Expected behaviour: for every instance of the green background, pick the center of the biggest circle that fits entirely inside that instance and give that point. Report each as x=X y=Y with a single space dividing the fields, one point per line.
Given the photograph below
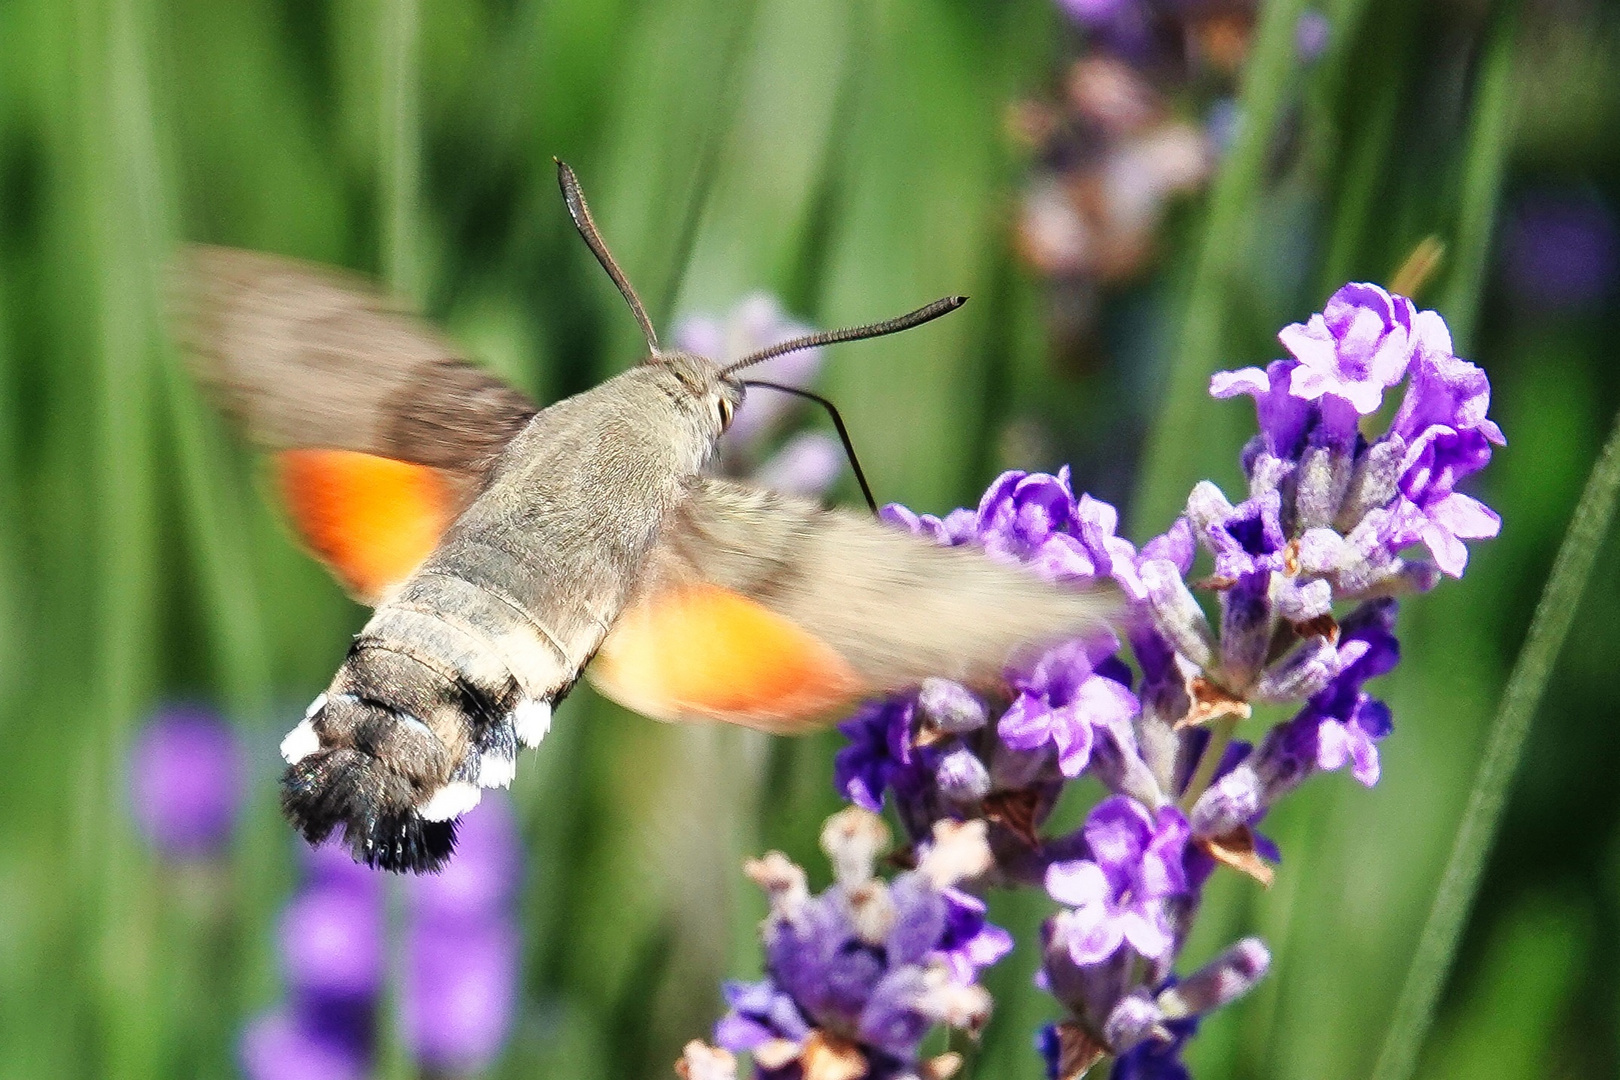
x=851 y=156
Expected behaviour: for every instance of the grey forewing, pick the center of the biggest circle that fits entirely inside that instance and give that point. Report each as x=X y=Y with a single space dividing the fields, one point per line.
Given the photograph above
x=309 y=356
x=898 y=607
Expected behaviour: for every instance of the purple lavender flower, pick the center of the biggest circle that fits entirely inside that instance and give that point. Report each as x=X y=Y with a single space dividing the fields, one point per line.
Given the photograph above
x=1146 y=1029
x=185 y=781
x=879 y=750
x=1349 y=720
x=1035 y=519
x=1119 y=895
x=1283 y=417
x=332 y=942
x=1334 y=516
x=1340 y=725
x=1358 y=347
x=1158 y=1059
x=936 y=757
x=460 y=993
x=1355 y=506
x=297 y=1044
x=1063 y=698
x=1447 y=438
x=858 y=975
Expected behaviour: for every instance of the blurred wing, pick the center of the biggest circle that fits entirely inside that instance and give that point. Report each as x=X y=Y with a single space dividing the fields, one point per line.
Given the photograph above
x=384 y=434
x=772 y=612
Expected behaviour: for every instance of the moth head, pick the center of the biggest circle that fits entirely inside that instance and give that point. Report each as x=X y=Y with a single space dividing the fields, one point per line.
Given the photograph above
x=718 y=390
x=700 y=389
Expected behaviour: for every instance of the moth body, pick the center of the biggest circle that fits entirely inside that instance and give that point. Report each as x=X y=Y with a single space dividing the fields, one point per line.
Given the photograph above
x=463 y=662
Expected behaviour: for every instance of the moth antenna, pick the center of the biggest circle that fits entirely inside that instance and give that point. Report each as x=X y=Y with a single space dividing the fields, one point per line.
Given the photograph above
x=838 y=424
x=943 y=306
x=581 y=213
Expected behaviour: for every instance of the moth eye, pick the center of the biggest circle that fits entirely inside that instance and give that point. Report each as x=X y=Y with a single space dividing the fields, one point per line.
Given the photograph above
x=724 y=408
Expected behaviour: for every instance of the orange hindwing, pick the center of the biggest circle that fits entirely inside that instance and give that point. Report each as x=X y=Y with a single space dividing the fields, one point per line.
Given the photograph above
x=371 y=520
x=702 y=651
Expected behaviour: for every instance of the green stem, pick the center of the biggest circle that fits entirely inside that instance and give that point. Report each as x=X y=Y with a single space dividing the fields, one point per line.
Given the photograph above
x=1414 y=1011
x=1175 y=457
x=1220 y=734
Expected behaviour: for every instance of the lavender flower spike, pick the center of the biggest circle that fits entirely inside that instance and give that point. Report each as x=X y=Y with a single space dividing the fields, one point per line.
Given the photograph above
x=1337 y=521
x=857 y=976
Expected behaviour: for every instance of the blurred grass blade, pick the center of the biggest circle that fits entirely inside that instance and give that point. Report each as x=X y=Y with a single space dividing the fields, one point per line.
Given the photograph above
x=1414 y=1010
x=1488 y=140
x=1174 y=460
x=399 y=174
x=401 y=158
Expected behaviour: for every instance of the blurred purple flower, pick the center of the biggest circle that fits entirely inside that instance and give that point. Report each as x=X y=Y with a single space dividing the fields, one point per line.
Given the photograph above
x=1562 y=250
x=186 y=772
x=808 y=465
x=756 y=322
x=331 y=864
x=480 y=880
x=1312 y=33
x=462 y=949
x=294 y=1045
x=333 y=944
x=461 y=962
x=459 y=995
x=1095 y=12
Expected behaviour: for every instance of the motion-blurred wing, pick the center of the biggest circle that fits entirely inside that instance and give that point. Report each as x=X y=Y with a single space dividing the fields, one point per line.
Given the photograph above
x=772 y=612
x=383 y=433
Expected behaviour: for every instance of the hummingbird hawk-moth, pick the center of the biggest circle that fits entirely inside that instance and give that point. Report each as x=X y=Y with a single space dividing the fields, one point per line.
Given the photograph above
x=508 y=548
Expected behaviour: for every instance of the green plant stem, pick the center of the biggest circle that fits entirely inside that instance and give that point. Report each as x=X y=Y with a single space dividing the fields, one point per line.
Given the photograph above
x=1175 y=455
x=1220 y=734
x=1414 y=1010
